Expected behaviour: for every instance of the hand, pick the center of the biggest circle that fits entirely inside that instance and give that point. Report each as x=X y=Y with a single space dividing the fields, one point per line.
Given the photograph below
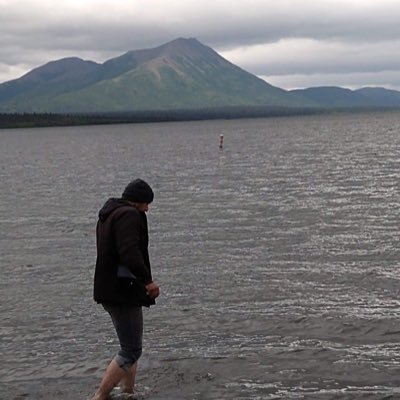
x=152 y=290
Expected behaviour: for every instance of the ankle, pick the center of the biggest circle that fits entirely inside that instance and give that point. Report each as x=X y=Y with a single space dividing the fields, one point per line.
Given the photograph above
x=100 y=396
x=127 y=389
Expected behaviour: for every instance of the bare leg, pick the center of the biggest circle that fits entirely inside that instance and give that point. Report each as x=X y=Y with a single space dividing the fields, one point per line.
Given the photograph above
x=114 y=373
x=128 y=381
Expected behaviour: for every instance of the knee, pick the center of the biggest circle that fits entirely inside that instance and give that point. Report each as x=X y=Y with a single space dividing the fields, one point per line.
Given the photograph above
x=135 y=354
x=128 y=356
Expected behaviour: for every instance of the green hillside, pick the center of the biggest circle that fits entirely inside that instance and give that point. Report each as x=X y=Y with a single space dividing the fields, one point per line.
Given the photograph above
x=182 y=74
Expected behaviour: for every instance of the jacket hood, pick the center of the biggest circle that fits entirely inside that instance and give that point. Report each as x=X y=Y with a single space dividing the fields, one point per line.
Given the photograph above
x=109 y=206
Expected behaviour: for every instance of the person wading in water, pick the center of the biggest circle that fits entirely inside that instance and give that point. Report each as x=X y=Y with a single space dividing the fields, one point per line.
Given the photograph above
x=123 y=282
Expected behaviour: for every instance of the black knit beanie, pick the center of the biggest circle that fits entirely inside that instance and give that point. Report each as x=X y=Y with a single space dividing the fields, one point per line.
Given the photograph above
x=138 y=191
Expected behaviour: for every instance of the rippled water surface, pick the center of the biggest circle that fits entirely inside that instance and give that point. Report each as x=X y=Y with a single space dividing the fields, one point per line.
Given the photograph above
x=278 y=258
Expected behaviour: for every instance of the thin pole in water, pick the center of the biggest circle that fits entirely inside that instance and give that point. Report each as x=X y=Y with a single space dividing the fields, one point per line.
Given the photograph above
x=221 y=141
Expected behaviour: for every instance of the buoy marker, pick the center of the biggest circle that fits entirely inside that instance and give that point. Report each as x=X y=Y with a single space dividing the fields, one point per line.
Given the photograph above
x=221 y=141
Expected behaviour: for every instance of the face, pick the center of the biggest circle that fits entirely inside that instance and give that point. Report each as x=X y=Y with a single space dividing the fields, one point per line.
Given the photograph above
x=144 y=207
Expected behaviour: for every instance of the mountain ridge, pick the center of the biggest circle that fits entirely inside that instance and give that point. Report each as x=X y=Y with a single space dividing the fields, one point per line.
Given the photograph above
x=338 y=97
x=178 y=75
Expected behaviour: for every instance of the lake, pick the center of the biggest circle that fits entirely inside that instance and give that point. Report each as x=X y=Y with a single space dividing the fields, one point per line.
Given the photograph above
x=278 y=257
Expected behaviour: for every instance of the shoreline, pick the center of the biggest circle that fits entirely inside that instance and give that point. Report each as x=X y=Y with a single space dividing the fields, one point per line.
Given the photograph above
x=41 y=120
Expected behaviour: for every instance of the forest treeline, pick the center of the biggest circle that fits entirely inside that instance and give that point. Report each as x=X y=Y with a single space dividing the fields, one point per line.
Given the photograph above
x=31 y=120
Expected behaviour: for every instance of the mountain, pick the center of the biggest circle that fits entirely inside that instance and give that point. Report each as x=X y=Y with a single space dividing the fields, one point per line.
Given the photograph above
x=336 y=97
x=381 y=97
x=182 y=74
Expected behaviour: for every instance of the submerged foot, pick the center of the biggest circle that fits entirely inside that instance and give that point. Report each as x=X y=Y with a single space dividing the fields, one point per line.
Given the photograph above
x=100 y=397
x=124 y=389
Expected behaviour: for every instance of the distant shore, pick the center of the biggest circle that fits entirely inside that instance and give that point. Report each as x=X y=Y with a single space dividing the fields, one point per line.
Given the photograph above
x=33 y=120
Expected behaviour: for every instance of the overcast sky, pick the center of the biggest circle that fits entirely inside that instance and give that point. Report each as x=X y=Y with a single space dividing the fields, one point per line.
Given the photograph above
x=289 y=43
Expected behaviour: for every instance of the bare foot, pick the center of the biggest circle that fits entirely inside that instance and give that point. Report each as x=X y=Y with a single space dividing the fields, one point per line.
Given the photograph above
x=127 y=390
x=100 y=397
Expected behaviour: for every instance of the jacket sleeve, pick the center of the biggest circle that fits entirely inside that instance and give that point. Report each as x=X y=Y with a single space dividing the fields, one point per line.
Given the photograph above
x=127 y=236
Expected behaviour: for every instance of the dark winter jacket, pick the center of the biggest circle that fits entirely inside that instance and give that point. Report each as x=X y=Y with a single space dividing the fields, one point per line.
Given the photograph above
x=122 y=239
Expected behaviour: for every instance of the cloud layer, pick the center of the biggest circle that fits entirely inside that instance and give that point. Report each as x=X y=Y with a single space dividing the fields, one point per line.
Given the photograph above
x=289 y=43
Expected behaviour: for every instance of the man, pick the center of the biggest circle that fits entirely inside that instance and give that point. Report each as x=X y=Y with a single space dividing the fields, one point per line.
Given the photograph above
x=123 y=281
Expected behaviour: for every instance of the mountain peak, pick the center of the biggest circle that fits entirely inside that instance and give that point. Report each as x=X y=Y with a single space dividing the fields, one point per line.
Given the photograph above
x=184 y=43
x=64 y=68
x=180 y=74
x=189 y=47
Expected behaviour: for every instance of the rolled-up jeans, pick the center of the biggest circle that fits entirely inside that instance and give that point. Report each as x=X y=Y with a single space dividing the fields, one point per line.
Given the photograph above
x=128 y=322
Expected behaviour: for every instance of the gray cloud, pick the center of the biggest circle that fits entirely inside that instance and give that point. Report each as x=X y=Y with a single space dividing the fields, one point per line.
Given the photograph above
x=302 y=56
x=289 y=41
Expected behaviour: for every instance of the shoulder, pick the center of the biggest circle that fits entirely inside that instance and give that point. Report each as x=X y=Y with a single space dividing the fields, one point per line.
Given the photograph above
x=127 y=216
x=127 y=212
